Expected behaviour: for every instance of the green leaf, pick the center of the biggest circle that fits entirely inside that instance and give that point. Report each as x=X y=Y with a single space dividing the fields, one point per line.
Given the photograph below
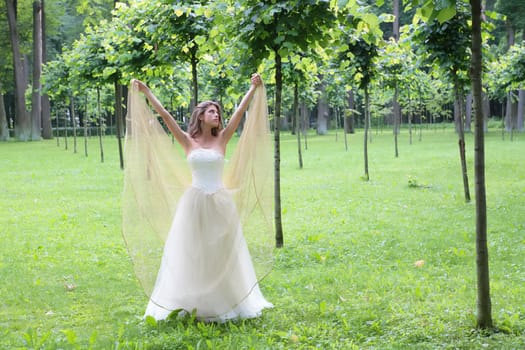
x=446 y=14
x=151 y=321
x=108 y=72
x=200 y=40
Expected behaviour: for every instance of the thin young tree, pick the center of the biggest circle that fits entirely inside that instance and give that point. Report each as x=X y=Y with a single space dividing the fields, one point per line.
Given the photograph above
x=484 y=314
x=278 y=28
x=360 y=55
x=358 y=49
x=395 y=103
x=435 y=37
x=297 y=119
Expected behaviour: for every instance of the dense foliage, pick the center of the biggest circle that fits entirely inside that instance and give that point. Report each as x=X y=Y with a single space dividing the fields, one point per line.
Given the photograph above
x=188 y=50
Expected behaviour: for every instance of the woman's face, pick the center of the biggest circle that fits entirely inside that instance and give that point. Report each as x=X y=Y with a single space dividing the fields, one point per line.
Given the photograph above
x=211 y=117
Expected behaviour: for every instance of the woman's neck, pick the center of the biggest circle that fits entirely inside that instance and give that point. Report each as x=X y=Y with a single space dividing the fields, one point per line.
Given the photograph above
x=205 y=138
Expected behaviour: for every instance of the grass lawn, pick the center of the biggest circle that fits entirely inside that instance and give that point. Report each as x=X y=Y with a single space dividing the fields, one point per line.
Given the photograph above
x=383 y=264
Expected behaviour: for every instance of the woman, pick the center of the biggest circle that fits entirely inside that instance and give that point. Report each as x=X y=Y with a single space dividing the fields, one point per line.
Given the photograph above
x=206 y=267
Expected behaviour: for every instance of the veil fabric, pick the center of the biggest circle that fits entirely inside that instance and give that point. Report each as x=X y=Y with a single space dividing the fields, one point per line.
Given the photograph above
x=157 y=174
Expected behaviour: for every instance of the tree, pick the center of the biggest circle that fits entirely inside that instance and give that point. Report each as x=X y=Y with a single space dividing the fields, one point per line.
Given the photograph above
x=296 y=72
x=395 y=102
x=22 y=119
x=514 y=12
x=362 y=55
x=93 y=11
x=80 y=68
x=180 y=31
x=278 y=29
x=507 y=73
x=322 y=108
x=447 y=44
x=4 y=130
x=99 y=71
x=395 y=62
x=484 y=314
x=5 y=74
x=36 y=104
x=47 y=131
x=484 y=317
x=359 y=50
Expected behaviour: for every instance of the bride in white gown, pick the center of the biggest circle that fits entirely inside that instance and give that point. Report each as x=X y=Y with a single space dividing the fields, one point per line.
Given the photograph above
x=206 y=267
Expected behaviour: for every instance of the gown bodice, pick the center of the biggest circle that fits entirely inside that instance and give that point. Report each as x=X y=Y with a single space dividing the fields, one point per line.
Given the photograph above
x=207 y=166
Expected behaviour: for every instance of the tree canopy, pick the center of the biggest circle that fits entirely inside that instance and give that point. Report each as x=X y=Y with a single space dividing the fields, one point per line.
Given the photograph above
x=188 y=50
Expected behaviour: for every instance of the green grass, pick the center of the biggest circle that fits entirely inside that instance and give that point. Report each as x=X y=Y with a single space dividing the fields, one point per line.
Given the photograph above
x=345 y=279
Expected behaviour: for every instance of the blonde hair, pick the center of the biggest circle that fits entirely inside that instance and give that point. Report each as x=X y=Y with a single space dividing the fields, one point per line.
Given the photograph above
x=194 y=127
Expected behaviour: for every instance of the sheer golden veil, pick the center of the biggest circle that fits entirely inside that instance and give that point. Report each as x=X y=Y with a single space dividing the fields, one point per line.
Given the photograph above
x=156 y=174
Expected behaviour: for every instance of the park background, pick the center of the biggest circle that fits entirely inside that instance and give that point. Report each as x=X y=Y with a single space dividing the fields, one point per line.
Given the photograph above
x=378 y=232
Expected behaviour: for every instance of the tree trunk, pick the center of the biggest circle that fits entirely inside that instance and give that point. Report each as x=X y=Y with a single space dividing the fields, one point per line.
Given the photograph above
x=410 y=117
x=365 y=145
x=66 y=117
x=297 y=123
x=322 y=111
x=85 y=124
x=100 y=122
x=457 y=113
x=486 y=111
x=395 y=103
x=119 y=116
x=396 y=9
x=47 y=130
x=484 y=312
x=468 y=112
x=511 y=108
x=510 y=113
x=279 y=240
x=461 y=135
x=73 y=121
x=345 y=135
x=397 y=119
x=57 y=116
x=36 y=101
x=22 y=120
x=336 y=119
x=194 y=83
x=305 y=120
x=349 y=115
x=4 y=129
x=521 y=105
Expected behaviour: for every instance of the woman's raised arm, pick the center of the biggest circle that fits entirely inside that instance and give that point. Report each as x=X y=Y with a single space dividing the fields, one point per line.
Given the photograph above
x=229 y=130
x=180 y=135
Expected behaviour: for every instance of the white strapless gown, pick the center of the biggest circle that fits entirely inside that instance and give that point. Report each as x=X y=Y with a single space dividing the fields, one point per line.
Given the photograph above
x=206 y=266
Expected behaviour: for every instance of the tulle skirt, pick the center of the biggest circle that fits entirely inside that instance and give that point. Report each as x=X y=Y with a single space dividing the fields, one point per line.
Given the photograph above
x=206 y=265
